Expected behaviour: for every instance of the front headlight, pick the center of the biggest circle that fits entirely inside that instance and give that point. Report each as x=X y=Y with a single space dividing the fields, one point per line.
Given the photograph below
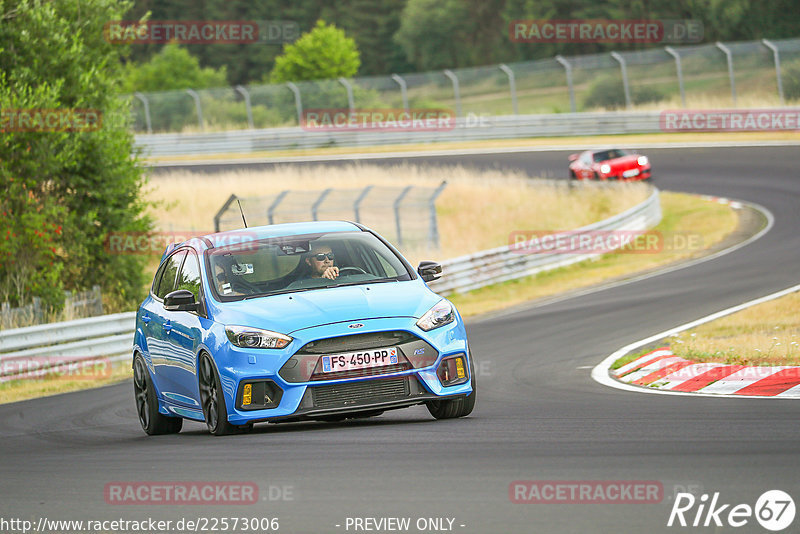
x=255 y=338
x=605 y=168
x=440 y=314
x=642 y=161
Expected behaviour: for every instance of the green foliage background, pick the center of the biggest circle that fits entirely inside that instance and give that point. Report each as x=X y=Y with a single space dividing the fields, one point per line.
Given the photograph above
x=66 y=192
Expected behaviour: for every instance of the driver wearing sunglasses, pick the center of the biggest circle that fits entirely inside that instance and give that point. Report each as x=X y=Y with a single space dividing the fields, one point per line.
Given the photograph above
x=320 y=260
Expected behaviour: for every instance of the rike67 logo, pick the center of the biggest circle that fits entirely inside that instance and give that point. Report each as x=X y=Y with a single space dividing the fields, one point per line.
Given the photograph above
x=774 y=510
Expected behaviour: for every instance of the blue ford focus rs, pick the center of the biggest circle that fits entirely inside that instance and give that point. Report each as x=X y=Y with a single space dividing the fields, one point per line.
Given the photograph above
x=322 y=321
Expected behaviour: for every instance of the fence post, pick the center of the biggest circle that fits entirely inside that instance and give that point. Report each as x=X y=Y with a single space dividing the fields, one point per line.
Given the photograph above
x=198 y=107
x=625 y=86
x=357 y=203
x=349 y=88
x=274 y=205
x=146 y=105
x=777 y=57
x=433 y=232
x=729 y=56
x=512 y=86
x=403 y=90
x=69 y=305
x=671 y=51
x=38 y=313
x=456 y=92
x=568 y=71
x=246 y=95
x=298 y=102
x=98 y=300
x=5 y=313
x=222 y=210
x=318 y=202
x=397 y=202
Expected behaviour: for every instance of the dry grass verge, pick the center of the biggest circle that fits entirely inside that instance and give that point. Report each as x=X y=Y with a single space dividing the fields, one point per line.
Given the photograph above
x=766 y=334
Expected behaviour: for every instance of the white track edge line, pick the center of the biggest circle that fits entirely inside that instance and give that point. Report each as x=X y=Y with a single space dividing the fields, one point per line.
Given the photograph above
x=600 y=371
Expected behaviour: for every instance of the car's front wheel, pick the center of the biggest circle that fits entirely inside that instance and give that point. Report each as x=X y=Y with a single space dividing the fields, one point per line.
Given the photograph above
x=153 y=422
x=212 y=399
x=458 y=407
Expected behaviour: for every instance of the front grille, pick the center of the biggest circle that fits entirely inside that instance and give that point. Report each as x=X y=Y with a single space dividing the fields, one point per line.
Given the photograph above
x=355 y=342
x=370 y=371
x=359 y=393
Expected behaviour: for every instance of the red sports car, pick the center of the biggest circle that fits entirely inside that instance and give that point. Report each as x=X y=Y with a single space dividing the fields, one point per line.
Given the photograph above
x=611 y=164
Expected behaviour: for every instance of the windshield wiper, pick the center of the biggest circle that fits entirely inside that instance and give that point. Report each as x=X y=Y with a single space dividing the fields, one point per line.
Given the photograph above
x=362 y=282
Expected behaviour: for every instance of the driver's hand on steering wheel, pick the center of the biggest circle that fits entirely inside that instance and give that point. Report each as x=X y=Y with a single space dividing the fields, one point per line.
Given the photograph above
x=331 y=273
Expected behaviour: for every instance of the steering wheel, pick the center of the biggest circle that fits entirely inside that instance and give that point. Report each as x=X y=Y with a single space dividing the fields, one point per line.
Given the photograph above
x=357 y=270
x=241 y=283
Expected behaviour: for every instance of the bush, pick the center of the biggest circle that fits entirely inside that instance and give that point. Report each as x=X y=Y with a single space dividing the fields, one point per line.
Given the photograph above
x=791 y=81
x=608 y=92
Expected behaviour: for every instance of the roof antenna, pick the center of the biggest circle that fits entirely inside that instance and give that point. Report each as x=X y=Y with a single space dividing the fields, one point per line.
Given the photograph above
x=242 y=212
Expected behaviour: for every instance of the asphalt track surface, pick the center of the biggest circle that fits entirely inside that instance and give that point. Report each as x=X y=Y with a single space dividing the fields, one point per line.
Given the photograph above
x=539 y=415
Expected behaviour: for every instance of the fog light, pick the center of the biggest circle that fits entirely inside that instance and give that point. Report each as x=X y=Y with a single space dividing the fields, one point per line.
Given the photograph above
x=452 y=370
x=259 y=395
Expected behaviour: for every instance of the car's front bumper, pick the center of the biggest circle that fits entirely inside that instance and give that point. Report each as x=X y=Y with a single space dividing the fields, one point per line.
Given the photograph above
x=309 y=395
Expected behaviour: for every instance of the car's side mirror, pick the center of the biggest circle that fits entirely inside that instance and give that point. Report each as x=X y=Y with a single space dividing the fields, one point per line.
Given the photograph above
x=573 y=157
x=181 y=300
x=429 y=270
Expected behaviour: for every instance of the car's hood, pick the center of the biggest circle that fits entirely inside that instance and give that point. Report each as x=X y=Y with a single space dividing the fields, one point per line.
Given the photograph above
x=290 y=312
x=625 y=162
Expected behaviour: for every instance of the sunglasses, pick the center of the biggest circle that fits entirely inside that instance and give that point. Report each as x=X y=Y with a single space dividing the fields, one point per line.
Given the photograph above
x=321 y=256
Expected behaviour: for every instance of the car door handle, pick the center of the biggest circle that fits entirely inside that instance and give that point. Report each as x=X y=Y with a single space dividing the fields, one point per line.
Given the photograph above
x=167 y=327
x=145 y=319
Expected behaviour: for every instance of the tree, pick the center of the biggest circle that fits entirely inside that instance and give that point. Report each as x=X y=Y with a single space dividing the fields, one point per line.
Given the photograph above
x=323 y=53
x=65 y=192
x=172 y=68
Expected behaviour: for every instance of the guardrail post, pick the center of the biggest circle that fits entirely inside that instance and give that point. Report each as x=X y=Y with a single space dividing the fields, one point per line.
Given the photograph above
x=315 y=206
x=274 y=205
x=349 y=89
x=433 y=230
x=456 y=92
x=97 y=296
x=223 y=209
x=625 y=86
x=568 y=71
x=397 y=202
x=671 y=51
x=198 y=107
x=146 y=105
x=729 y=56
x=777 y=57
x=357 y=203
x=512 y=86
x=403 y=89
x=242 y=91
x=298 y=102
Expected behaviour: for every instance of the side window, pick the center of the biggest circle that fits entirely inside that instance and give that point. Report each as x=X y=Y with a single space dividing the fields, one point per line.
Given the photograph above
x=167 y=282
x=189 y=277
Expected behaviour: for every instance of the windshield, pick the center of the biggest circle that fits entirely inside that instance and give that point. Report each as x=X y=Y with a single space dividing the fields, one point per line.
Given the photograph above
x=606 y=155
x=298 y=263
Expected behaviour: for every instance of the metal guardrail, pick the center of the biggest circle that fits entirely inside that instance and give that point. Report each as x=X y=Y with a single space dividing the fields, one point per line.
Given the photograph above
x=39 y=347
x=501 y=264
x=466 y=129
x=111 y=336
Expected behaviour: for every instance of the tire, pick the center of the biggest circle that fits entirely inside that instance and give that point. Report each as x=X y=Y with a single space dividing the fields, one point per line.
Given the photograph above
x=595 y=176
x=153 y=422
x=458 y=407
x=572 y=175
x=212 y=399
